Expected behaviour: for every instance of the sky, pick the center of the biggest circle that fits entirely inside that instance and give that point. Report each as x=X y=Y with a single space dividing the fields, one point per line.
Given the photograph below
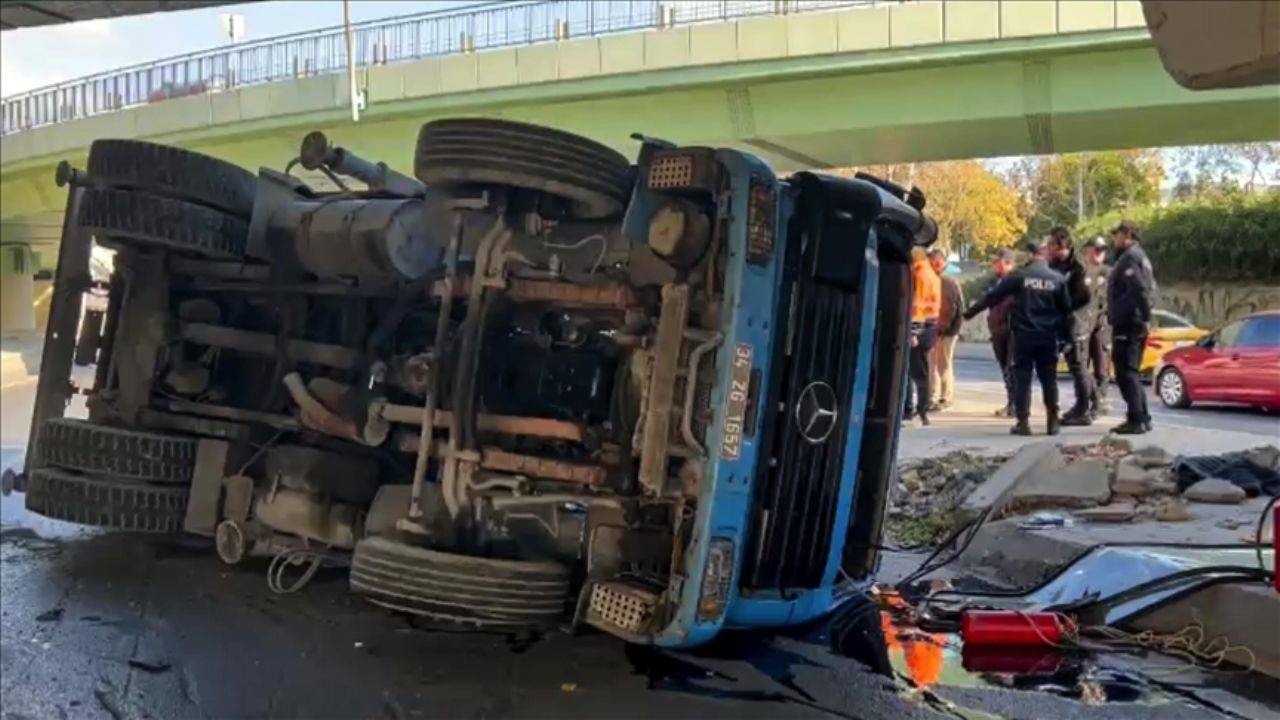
x=27 y=63
x=27 y=59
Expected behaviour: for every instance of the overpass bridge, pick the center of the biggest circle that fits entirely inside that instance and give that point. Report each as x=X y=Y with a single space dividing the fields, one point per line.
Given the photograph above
x=804 y=84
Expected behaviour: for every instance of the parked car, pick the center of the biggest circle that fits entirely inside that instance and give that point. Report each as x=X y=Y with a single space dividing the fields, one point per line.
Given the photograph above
x=1169 y=331
x=1237 y=363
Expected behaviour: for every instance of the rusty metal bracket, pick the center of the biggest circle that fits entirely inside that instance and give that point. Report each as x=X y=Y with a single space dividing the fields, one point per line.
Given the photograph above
x=504 y=424
x=335 y=356
x=709 y=342
x=661 y=395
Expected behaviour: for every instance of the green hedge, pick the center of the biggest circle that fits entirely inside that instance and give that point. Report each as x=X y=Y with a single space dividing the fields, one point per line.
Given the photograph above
x=1234 y=239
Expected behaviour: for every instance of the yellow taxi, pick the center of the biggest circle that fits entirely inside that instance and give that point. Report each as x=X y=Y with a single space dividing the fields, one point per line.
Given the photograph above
x=1168 y=331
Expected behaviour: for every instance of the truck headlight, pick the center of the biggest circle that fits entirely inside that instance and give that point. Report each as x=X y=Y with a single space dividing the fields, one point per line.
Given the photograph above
x=716 y=579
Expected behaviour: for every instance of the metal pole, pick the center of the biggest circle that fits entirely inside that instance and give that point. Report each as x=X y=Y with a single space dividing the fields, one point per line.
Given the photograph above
x=351 y=61
x=1080 y=189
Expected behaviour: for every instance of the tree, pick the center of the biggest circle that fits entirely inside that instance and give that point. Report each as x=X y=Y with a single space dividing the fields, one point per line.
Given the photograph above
x=1066 y=189
x=974 y=209
x=1219 y=171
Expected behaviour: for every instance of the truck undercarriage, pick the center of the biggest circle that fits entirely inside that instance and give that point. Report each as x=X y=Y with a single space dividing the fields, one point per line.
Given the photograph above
x=498 y=391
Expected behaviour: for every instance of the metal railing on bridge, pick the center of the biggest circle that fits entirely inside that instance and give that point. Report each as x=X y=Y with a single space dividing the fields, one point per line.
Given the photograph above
x=484 y=26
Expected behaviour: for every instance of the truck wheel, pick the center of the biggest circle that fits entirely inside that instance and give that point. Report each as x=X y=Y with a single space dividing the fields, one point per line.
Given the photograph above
x=103 y=502
x=136 y=217
x=174 y=173
x=595 y=179
x=473 y=592
x=132 y=455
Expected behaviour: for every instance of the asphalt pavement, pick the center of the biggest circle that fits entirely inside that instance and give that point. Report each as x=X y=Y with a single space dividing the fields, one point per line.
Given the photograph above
x=970 y=423
x=978 y=375
x=107 y=625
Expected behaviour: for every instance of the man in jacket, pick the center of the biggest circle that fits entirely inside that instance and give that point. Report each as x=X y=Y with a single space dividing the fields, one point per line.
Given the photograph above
x=1131 y=290
x=998 y=326
x=926 y=304
x=1041 y=317
x=1096 y=270
x=942 y=377
x=1064 y=259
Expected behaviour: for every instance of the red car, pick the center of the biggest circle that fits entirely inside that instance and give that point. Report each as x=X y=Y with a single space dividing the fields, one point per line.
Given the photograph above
x=1237 y=363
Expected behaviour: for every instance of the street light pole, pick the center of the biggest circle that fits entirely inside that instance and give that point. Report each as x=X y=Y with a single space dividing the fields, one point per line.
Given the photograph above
x=351 y=61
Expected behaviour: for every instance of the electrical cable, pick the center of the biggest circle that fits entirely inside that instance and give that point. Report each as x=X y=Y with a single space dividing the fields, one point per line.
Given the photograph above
x=1257 y=540
x=604 y=247
x=929 y=566
x=292 y=557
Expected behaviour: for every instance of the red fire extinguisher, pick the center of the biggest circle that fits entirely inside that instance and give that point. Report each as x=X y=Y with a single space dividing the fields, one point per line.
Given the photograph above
x=1014 y=627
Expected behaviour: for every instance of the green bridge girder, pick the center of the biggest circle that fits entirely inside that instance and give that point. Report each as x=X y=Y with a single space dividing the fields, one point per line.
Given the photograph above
x=1048 y=94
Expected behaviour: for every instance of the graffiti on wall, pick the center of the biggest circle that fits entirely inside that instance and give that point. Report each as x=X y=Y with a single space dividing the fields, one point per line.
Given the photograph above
x=1212 y=305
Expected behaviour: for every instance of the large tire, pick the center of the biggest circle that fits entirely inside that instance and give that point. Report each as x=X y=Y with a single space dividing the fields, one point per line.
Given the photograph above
x=472 y=592
x=173 y=172
x=595 y=179
x=136 y=217
x=103 y=502
x=132 y=455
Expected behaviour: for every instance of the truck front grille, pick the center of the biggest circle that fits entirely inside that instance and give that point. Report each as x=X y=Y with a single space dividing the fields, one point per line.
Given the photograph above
x=798 y=484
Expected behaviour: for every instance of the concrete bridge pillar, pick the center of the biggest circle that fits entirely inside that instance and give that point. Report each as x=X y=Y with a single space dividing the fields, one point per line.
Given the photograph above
x=17 y=291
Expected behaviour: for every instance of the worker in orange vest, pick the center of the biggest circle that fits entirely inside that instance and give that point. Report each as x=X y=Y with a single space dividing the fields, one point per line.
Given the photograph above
x=926 y=306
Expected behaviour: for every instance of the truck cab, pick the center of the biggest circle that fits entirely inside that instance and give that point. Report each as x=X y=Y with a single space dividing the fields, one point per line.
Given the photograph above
x=535 y=385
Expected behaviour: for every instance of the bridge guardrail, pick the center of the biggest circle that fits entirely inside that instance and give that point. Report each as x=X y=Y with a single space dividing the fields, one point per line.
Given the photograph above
x=486 y=26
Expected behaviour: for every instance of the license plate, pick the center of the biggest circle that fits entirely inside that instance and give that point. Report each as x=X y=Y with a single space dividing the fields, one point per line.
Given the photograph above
x=736 y=408
x=1182 y=343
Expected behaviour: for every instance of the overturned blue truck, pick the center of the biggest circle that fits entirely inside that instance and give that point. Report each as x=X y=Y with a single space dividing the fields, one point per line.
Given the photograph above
x=536 y=385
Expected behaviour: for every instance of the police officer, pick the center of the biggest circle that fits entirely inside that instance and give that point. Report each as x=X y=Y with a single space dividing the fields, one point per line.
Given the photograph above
x=1096 y=270
x=1041 y=317
x=1131 y=288
x=1064 y=259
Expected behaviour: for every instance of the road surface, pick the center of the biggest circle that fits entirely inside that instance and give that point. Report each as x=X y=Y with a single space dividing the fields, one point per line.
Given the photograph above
x=103 y=625
x=978 y=375
x=970 y=423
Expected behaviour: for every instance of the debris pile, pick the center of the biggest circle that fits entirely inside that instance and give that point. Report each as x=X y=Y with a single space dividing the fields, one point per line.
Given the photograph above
x=1108 y=481
x=924 y=500
x=1149 y=483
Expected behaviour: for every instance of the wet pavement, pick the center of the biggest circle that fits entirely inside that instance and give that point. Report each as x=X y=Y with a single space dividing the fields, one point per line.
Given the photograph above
x=102 y=625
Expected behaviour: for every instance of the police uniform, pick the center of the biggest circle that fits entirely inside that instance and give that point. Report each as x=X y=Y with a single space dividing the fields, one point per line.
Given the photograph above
x=1099 y=336
x=1077 y=354
x=1041 y=316
x=1131 y=287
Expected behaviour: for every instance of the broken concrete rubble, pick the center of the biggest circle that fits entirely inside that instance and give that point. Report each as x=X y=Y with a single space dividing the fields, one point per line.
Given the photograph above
x=934 y=497
x=1167 y=509
x=1113 y=444
x=922 y=507
x=1132 y=478
x=1152 y=457
x=1036 y=459
x=1082 y=484
x=1215 y=490
x=1116 y=512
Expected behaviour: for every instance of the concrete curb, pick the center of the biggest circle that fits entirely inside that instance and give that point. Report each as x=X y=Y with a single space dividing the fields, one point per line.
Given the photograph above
x=1029 y=462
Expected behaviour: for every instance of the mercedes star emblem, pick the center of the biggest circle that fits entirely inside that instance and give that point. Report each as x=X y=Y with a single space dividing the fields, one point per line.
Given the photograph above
x=816 y=412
